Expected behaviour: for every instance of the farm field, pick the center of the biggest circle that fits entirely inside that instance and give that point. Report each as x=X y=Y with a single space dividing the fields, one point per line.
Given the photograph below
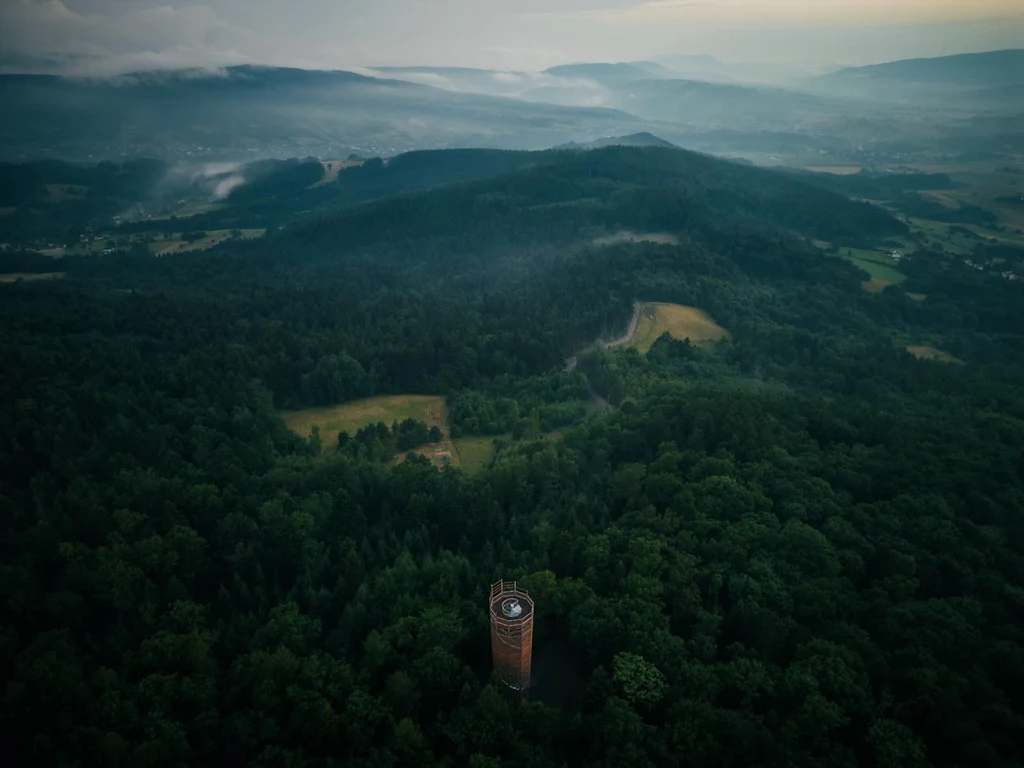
x=13 y=277
x=681 y=323
x=661 y=238
x=931 y=353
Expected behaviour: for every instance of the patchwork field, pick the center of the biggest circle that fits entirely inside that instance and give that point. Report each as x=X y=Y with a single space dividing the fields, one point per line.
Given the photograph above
x=625 y=236
x=13 y=277
x=680 y=322
x=470 y=453
x=931 y=353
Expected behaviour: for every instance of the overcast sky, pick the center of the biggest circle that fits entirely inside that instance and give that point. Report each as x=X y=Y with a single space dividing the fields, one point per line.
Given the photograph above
x=109 y=36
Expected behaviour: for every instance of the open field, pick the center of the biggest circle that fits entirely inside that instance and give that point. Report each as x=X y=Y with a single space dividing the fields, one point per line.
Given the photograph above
x=931 y=353
x=680 y=322
x=917 y=296
x=625 y=236
x=13 y=277
x=213 y=237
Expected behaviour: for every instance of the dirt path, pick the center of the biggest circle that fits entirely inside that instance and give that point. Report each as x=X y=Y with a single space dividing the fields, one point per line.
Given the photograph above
x=570 y=364
x=633 y=324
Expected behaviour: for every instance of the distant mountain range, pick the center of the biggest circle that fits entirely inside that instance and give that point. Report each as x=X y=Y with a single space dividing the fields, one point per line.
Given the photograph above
x=992 y=81
x=249 y=112
x=989 y=69
x=261 y=111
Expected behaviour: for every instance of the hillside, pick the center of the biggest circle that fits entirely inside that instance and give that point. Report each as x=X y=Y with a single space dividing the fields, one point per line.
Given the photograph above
x=272 y=112
x=990 y=82
x=633 y=140
x=600 y=71
x=992 y=68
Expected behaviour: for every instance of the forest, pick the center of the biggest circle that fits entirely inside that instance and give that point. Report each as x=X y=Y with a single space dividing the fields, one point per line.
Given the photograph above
x=799 y=546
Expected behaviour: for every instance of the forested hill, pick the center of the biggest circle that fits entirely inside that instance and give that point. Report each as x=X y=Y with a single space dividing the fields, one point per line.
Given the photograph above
x=562 y=194
x=798 y=546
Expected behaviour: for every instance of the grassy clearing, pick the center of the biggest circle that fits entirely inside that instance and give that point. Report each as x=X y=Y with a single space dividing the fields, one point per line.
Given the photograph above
x=931 y=353
x=349 y=417
x=474 y=453
x=625 y=236
x=917 y=296
x=13 y=277
x=471 y=454
x=430 y=409
x=680 y=322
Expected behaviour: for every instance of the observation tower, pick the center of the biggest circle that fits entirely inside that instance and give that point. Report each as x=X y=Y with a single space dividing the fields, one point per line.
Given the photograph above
x=511 y=635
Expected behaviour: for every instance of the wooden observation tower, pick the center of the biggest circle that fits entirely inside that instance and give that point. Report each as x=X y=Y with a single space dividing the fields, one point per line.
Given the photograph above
x=511 y=635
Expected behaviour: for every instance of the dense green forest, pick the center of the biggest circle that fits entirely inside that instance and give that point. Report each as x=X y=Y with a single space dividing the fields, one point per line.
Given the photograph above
x=800 y=546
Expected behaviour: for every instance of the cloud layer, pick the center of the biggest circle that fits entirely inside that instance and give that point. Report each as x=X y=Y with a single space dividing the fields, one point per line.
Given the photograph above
x=102 y=37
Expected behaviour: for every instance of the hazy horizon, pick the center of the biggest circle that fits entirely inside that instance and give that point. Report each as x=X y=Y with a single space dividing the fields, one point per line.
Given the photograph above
x=106 y=37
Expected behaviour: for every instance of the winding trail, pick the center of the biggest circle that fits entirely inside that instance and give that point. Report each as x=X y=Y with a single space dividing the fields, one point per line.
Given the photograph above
x=570 y=364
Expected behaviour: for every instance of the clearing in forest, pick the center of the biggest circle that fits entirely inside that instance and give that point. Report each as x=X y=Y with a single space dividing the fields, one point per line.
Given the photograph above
x=931 y=353
x=350 y=417
x=681 y=323
x=333 y=167
x=474 y=453
x=879 y=268
x=917 y=296
x=875 y=285
x=625 y=236
x=13 y=277
x=470 y=453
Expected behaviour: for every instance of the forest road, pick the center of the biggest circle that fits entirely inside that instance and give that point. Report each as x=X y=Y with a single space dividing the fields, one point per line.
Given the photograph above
x=570 y=364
